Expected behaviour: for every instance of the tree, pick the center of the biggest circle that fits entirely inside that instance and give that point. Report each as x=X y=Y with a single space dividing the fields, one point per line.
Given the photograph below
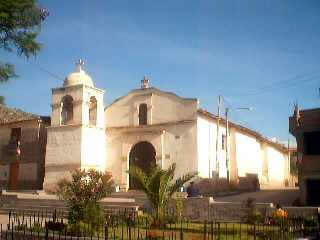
x=20 y=22
x=159 y=186
x=82 y=194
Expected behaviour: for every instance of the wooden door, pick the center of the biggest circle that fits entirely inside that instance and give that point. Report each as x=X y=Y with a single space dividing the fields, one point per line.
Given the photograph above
x=14 y=175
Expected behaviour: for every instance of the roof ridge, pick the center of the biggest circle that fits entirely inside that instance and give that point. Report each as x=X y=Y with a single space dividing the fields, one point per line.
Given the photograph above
x=9 y=115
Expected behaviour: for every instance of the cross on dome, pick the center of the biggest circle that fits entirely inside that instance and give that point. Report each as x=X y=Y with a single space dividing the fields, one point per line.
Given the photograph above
x=79 y=76
x=145 y=83
x=80 y=65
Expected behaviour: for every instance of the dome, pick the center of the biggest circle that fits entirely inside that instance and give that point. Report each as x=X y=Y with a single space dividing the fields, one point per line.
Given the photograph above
x=78 y=77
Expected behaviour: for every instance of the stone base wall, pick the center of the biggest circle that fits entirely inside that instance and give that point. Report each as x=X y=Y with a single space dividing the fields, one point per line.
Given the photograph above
x=201 y=209
x=8 y=200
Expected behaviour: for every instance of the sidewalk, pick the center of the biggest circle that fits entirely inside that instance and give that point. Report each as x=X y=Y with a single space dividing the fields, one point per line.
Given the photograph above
x=4 y=220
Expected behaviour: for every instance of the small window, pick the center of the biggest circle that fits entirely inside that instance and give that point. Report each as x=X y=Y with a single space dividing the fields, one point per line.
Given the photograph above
x=311 y=143
x=143 y=114
x=66 y=110
x=223 y=142
x=93 y=111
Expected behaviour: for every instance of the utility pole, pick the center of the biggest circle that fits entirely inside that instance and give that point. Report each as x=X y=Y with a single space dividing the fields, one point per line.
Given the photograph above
x=226 y=145
x=217 y=140
x=289 y=161
x=227 y=138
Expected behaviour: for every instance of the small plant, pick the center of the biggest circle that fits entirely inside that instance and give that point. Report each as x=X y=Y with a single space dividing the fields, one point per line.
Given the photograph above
x=82 y=194
x=254 y=216
x=279 y=215
x=159 y=187
x=55 y=226
x=179 y=208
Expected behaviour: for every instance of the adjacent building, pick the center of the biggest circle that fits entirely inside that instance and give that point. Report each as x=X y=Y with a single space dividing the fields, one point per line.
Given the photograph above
x=22 y=149
x=305 y=126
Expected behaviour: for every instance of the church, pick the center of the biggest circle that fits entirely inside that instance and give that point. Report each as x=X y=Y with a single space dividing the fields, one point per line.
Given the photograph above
x=147 y=126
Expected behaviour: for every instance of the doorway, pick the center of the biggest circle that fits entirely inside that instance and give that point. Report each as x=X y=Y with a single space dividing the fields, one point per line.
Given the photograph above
x=142 y=155
x=313 y=192
x=13 y=177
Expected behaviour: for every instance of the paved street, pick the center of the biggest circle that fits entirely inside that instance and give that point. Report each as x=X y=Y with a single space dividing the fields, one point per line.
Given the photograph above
x=284 y=197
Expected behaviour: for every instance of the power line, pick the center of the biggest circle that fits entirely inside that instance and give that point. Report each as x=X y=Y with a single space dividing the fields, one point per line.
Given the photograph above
x=50 y=73
x=43 y=69
x=295 y=81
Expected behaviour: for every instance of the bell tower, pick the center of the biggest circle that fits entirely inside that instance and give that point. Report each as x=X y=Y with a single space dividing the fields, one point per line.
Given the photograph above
x=76 y=137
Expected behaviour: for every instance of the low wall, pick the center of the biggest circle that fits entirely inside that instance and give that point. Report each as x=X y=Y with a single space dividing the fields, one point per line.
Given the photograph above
x=20 y=235
x=228 y=211
x=201 y=209
x=302 y=211
x=6 y=200
x=195 y=209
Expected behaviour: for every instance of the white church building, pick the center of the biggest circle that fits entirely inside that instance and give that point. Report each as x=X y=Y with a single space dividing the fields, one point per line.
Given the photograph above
x=150 y=126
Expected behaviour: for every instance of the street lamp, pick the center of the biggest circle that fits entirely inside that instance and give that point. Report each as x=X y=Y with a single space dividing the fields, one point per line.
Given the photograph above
x=227 y=137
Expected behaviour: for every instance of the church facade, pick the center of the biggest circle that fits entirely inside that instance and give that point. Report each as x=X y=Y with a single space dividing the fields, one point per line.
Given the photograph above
x=149 y=126
x=175 y=129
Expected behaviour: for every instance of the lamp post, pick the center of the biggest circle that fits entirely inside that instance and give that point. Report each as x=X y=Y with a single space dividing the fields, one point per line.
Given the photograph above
x=227 y=137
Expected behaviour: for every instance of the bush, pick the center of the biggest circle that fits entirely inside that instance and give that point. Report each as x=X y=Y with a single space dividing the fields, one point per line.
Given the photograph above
x=144 y=219
x=82 y=194
x=279 y=215
x=55 y=226
x=94 y=215
x=254 y=216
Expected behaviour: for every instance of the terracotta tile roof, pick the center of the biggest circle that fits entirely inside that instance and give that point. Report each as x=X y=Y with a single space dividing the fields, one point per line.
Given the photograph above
x=10 y=115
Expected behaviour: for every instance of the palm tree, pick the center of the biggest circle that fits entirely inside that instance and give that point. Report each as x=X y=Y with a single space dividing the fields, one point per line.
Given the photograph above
x=159 y=186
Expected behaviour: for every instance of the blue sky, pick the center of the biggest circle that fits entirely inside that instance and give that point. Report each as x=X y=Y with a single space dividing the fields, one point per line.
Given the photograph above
x=262 y=54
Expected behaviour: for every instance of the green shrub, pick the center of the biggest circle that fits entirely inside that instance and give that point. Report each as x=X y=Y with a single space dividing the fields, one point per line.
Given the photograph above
x=179 y=208
x=94 y=216
x=158 y=184
x=82 y=194
x=254 y=216
x=80 y=229
x=144 y=219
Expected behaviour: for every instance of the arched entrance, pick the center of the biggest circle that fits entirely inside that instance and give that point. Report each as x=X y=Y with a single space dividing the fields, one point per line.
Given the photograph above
x=142 y=155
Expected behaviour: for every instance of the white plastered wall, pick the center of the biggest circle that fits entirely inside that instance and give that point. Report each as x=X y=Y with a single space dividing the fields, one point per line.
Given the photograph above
x=248 y=155
x=277 y=168
x=77 y=145
x=206 y=152
x=118 y=147
x=180 y=146
x=77 y=93
x=206 y=141
x=93 y=148
x=63 y=152
x=98 y=94
x=162 y=107
x=174 y=143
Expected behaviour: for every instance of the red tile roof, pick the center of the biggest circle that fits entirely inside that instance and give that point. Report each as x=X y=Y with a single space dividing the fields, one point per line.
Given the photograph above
x=10 y=115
